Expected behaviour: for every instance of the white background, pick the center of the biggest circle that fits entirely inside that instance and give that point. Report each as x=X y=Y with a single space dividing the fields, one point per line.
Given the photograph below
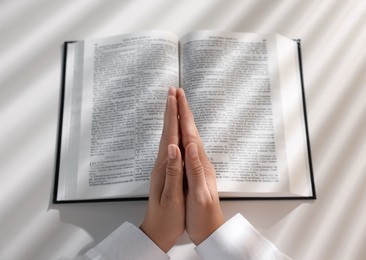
x=333 y=35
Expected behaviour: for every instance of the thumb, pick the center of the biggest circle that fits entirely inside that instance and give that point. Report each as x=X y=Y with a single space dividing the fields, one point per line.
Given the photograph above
x=194 y=169
x=174 y=172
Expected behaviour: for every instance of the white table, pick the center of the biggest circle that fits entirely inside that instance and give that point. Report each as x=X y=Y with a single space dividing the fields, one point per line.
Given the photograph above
x=333 y=35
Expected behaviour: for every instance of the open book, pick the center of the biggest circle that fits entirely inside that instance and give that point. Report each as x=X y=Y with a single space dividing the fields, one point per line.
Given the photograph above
x=245 y=91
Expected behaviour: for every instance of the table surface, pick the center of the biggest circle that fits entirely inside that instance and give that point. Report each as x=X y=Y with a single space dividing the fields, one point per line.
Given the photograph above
x=333 y=35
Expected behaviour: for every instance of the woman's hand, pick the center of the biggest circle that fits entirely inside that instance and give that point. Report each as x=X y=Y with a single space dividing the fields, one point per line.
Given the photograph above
x=164 y=222
x=203 y=211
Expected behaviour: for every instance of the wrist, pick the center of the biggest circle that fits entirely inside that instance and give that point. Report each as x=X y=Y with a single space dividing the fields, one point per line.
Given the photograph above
x=201 y=235
x=162 y=242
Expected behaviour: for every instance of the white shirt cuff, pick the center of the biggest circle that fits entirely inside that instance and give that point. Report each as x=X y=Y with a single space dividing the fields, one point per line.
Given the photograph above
x=238 y=239
x=126 y=242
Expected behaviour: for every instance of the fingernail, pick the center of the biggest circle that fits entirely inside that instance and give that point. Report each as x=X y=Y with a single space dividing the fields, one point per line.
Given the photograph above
x=172 y=152
x=171 y=91
x=192 y=150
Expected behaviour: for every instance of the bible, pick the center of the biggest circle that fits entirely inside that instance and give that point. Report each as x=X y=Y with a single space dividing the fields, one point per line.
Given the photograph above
x=245 y=91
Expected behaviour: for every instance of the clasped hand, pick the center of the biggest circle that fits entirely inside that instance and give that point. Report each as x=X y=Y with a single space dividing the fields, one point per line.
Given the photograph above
x=172 y=208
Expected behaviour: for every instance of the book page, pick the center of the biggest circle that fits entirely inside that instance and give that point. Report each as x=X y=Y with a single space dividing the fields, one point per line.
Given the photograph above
x=294 y=117
x=231 y=81
x=67 y=172
x=125 y=84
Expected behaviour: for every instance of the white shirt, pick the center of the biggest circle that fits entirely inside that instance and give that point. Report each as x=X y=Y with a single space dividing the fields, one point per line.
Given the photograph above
x=236 y=239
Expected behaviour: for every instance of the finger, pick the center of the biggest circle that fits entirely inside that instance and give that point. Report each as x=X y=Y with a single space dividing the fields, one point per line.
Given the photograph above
x=171 y=129
x=170 y=133
x=187 y=125
x=197 y=184
x=188 y=129
x=173 y=187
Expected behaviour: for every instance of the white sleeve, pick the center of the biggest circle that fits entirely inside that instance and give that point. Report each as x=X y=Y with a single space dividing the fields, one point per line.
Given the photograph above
x=238 y=239
x=126 y=242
